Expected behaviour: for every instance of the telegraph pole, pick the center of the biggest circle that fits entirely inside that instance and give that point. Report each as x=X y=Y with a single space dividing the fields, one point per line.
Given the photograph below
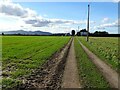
x=78 y=28
x=88 y=23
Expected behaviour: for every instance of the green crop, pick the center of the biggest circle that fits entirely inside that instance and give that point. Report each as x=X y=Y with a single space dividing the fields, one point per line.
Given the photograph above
x=105 y=48
x=23 y=54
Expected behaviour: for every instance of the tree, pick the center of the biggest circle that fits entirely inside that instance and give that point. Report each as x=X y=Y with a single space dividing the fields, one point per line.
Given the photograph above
x=2 y=33
x=78 y=34
x=100 y=33
x=73 y=32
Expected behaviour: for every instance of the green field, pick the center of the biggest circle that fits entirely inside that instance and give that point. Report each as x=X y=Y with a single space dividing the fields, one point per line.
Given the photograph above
x=89 y=74
x=105 y=48
x=22 y=54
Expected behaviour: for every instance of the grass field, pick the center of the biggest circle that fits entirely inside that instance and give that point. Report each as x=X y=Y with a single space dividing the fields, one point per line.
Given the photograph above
x=104 y=47
x=22 y=54
x=89 y=74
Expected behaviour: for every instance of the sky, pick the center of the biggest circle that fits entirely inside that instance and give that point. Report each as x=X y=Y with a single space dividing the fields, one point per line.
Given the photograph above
x=58 y=17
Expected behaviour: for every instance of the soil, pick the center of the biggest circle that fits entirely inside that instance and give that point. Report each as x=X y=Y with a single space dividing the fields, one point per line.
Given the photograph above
x=51 y=73
x=60 y=71
x=109 y=74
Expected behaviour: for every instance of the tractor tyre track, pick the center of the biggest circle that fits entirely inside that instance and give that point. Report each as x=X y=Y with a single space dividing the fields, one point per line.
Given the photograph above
x=49 y=76
x=109 y=74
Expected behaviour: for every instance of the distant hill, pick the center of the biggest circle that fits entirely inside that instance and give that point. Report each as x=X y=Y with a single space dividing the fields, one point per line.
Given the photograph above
x=27 y=32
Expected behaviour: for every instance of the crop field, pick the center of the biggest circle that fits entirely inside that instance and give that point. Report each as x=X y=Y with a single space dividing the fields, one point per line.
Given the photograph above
x=105 y=48
x=23 y=54
x=89 y=74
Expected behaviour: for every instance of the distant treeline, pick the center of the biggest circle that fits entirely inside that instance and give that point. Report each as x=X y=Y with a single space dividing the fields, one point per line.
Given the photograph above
x=104 y=35
x=22 y=35
x=96 y=34
x=56 y=34
x=83 y=32
x=61 y=34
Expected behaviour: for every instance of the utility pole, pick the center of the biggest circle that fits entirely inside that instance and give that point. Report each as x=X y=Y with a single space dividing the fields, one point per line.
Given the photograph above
x=78 y=28
x=88 y=23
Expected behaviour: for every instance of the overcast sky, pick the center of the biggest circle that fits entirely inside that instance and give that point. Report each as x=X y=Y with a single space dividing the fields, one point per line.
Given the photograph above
x=58 y=17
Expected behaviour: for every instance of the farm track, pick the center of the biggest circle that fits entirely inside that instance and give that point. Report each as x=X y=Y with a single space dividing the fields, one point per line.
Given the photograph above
x=71 y=76
x=51 y=73
x=110 y=75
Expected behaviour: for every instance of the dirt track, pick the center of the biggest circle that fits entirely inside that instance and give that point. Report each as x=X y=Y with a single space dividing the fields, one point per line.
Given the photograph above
x=110 y=74
x=53 y=75
x=70 y=76
x=61 y=71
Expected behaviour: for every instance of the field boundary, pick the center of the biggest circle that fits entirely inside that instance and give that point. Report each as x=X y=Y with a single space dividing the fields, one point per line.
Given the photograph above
x=110 y=75
x=50 y=74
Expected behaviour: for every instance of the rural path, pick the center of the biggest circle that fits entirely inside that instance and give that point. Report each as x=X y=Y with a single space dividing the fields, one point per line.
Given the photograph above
x=110 y=74
x=71 y=76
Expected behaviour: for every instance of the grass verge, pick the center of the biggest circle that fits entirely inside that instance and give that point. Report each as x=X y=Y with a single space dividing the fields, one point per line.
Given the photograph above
x=105 y=48
x=89 y=74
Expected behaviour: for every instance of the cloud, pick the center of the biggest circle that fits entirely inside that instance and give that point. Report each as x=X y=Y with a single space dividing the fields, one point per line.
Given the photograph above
x=30 y=20
x=40 y=22
x=30 y=17
x=116 y=1
x=105 y=20
x=16 y=10
x=104 y=26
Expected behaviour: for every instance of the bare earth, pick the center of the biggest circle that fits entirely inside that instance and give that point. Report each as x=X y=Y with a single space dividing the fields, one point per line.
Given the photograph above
x=110 y=75
x=70 y=76
x=49 y=76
